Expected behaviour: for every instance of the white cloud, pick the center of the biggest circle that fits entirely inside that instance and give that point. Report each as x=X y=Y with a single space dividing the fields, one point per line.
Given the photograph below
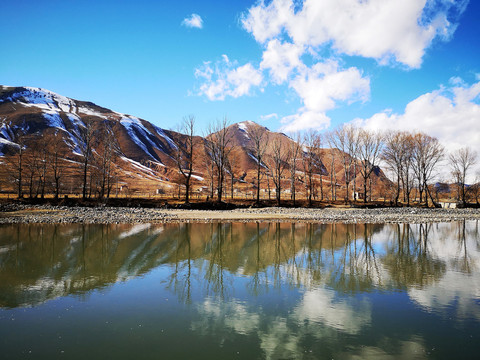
x=267 y=21
x=269 y=116
x=385 y=30
x=452 y=114
x=298 y=36
x=194 y=21
x=281 y=59
x=320 y=88
x=305 y=120
x=323 y=84
x=224 y=79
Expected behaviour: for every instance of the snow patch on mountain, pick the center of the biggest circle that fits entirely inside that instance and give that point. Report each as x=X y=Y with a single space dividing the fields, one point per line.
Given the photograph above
x=43 y=99
x=54 y=120
x=89 y=111
x=4 y=142
x=141 y=167
x=161 y=133
x=4 y=131
x=133 y=125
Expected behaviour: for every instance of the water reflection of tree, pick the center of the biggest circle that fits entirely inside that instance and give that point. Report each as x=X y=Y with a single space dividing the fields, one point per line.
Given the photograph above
x=256 y=285
x=180 y=279
x=463 y=261
x=349 y=258
x=215 y=274
x=408 y=257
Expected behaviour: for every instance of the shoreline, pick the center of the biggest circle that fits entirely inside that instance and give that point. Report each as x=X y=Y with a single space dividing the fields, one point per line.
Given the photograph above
x=47 y=214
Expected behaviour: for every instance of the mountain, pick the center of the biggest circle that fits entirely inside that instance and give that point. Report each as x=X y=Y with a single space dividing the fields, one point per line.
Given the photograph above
x=147 y=160
x=36 y=110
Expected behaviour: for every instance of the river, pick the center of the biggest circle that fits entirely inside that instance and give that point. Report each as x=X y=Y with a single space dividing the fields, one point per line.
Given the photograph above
x=240 y=291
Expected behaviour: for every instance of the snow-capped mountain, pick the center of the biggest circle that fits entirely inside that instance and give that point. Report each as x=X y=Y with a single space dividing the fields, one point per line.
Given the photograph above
x=34 y=110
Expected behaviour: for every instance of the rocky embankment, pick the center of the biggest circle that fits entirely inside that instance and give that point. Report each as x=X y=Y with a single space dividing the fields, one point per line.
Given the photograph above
x=14 y=213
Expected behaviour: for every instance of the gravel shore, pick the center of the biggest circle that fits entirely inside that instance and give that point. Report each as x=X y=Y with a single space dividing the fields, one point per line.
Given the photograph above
x=46 y=214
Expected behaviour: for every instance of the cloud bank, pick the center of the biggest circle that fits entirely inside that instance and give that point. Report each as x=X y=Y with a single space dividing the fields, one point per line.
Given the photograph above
x=305 y=43
x=450 y=113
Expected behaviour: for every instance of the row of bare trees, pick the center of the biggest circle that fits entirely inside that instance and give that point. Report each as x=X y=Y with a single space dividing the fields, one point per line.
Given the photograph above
x=52 y=163
x=299 y=164
x=355 y=156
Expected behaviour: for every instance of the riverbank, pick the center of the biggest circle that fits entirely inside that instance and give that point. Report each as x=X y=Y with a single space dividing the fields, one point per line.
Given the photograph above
x=48 y=214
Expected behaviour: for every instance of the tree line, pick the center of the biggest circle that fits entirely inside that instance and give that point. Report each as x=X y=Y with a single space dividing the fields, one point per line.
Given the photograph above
x=302 y=165
x=339 y=165
x=48 y=163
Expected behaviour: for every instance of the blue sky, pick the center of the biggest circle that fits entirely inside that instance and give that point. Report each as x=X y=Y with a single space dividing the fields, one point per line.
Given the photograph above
x=290 y=65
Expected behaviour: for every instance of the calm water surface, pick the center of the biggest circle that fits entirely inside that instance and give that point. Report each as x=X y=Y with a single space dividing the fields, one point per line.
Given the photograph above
x=246 y=291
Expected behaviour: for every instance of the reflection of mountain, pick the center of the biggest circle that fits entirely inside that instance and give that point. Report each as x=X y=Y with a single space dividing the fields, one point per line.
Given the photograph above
x=41 y=262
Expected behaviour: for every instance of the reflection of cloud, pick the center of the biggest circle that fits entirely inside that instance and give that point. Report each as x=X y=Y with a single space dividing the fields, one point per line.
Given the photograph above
x=282 y=337
x=460 y=284
x=453 y=289
x=412 y=349
x=234 y=314
x=320 y=305
x=279 y=341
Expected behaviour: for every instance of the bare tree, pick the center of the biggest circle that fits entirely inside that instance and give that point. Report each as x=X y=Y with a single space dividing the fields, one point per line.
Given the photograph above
x=107 y=152
x=396 y=154
x=16 y=161
x=427 y=153
x=32 y=164
x=231 y=163
x=259 y=140
x=333 y=175
x=295 y=153
x=369 y=149
x=183 y=152
x=219 y=146
x=345 y=139
x=475 y=188
x=311 y=161
x=408 y=174
x=56 y=154
x=87 y=137
x=278 y=163
x=461 y=161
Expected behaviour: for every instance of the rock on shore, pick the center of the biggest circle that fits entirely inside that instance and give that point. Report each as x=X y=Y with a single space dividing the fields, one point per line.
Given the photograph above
x=47 y=214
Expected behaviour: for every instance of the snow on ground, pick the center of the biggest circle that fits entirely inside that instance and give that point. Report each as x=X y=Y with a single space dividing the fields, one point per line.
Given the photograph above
x=75 y=119
x=43 y=99
x=243 y=127
x=54 y=120
x=161 y=133
x=4 y=131
x=256 y=160
x=7 y=142
x=139 y=166
x=198 y=177
x=131 y=124
x=89 y=111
